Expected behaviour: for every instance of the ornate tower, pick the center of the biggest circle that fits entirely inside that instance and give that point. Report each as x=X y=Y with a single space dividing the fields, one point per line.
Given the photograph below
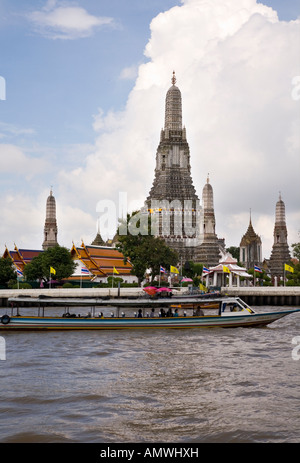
x=208 y=252
x=172 y=200
x=280 y=252
x=50 y=229
x=251 y=248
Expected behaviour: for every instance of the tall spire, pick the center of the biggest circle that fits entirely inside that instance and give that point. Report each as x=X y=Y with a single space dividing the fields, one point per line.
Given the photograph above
x=208 y=252
x=280 y=251
x=173 y=112
x=50 y=229
x=173 y=183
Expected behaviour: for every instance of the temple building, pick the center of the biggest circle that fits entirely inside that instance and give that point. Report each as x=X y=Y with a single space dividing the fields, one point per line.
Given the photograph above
x=50 y=228
x=280 y=254
x=172 y=200
x=96 y=263
x=251 y=248
x=208 y=251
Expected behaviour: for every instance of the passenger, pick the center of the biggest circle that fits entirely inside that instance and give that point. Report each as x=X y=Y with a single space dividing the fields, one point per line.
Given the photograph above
x=199 y=312
x=101 y=315
x=162 y=313
x=176 y=313
x=169 y=313
x=140 y=315
x=152 y=315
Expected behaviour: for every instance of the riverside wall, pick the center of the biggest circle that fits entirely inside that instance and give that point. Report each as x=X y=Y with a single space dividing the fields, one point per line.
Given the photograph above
x=266 y=295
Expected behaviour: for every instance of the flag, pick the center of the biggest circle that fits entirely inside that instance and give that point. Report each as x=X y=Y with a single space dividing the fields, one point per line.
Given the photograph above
x=52 y=270
x=116 y=271
x=84 y=271
x=19 y=272
x=162 y=270
x=288 y=268
x=173 y=269
x=205 y=270
x=257 y=269
x=226 y=269
x=202 y=288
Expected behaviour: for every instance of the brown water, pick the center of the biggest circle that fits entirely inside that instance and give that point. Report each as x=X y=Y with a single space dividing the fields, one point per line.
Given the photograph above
x=191 y=386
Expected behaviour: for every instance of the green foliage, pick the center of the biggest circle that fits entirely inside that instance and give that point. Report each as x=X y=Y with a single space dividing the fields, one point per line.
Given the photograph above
x=293 y=279
x=262 y=279
x=57 y=257
x=234 y=251
x=21 y=286
x=7 y=271
x=296 y=250
x=144 y=250
x=193 y=270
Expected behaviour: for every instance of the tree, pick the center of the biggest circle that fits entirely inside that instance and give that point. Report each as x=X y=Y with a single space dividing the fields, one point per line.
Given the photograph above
x=296 y=250
x=234 y=251
x=7 y=271
x=143 y=250
x=193 y=270
x=58 y=257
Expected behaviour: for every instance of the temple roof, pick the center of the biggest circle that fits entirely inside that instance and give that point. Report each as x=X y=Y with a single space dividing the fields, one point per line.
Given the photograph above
x=250 y=236
x=101 y=260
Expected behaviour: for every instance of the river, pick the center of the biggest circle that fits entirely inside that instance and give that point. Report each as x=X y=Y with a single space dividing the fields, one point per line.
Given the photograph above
x=139 y=386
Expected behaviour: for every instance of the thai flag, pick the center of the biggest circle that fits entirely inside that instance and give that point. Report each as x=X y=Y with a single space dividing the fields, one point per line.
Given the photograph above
x=19 y=272
x=257 y=269
x=84 y=271
x=205 y=270
x=162 y=270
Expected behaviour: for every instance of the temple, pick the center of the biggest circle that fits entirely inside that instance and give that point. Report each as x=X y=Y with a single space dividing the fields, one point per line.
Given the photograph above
x=251 y=248
x=172 y=200
x=50 y=229
x=280 y=254
x=208 y=251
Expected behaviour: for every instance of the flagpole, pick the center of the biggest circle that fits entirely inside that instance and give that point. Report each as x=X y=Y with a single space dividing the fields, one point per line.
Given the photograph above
x=159 y=276
x=50 y=279
x=283 y=274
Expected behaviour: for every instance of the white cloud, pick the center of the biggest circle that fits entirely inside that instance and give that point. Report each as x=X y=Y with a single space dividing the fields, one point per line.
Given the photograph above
x=129 y=73
x=66 y=21
x=15 y=161
x=234 y=62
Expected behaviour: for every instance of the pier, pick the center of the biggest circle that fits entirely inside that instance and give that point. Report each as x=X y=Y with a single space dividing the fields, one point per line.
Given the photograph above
x=266 y=295
x=256 y=296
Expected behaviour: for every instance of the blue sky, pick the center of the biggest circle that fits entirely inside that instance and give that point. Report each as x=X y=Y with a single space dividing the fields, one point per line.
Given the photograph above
x=85 y=89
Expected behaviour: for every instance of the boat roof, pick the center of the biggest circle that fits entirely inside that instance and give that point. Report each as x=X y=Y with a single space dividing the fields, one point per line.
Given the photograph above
x=119 y=302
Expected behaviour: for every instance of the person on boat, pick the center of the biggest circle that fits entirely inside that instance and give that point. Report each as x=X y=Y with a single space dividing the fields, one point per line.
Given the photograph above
x=140 y=315
x=199 y=312
x=162 y=312
x=169 y=313
x=176 y=313
x=152 y=314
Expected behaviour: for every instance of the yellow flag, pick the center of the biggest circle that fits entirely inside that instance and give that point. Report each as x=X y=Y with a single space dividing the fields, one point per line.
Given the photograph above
x=52 y=270
x=173 y=269
x=226 y=269
x=116 y=271
x=288 y=268
x=202 y=287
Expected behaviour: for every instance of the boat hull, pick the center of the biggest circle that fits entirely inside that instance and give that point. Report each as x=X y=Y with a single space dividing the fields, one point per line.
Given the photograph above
x=60 y=323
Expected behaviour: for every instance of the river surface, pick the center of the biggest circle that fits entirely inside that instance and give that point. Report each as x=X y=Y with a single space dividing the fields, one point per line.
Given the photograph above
x=140 y=386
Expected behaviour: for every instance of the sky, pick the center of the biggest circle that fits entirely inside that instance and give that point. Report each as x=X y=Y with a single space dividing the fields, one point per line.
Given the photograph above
x=82 y=94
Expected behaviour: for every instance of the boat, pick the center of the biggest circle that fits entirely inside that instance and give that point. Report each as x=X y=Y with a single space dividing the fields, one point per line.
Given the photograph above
x=201 y=312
